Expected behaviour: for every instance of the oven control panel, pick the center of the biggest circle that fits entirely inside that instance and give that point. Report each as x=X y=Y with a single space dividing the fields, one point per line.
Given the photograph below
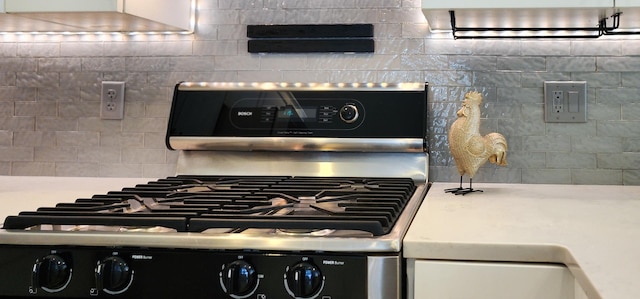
x=309 y=114
x=89 y=272
x=348 y=113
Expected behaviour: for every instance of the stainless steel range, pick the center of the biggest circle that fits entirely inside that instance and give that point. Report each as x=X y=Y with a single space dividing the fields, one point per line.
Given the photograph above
x=282 y=191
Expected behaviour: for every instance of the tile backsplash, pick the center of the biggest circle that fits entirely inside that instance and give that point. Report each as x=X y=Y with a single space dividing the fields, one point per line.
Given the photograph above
x=50 y=90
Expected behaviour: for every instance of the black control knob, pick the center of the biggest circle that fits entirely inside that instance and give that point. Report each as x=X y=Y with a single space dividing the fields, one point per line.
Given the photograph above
x=239 y=279
x=349 y=113
x=113 y=275
x=304 y=280
x=51 y=273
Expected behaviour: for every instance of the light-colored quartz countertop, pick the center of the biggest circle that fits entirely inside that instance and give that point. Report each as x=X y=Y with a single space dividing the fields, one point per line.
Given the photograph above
x=593 y=230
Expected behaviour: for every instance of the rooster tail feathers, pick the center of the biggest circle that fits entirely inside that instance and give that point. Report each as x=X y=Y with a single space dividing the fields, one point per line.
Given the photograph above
x=499 y=143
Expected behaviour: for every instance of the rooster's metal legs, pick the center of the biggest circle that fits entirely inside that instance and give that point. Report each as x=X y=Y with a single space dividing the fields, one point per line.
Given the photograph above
x=463 y=191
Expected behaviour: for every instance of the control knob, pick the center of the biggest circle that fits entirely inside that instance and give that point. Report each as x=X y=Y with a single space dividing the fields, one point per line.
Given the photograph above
x=113 y=275
x=303 y=280
x=239 y=279
x=50 y=273
x=349 y=113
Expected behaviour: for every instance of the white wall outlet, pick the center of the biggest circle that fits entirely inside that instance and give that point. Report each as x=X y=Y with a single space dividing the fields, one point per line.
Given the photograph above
x=112 y=100
x=565 y=101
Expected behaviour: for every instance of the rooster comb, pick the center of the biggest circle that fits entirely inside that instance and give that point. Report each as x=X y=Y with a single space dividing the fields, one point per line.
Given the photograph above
x=473 y=97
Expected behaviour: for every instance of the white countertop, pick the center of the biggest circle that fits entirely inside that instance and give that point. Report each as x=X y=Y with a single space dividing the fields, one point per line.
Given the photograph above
x=594 y=230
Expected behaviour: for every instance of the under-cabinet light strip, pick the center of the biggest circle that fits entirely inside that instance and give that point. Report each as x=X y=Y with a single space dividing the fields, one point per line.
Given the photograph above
x=539 y=32
x=192 y=26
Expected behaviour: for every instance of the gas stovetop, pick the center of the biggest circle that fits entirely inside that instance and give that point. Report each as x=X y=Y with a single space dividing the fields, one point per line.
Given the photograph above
x=313 y=206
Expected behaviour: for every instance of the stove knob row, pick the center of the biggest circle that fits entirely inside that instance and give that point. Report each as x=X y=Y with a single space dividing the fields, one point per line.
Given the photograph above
x=239 y=279
x=303 y=280
x=113 y=275
x=51 y=273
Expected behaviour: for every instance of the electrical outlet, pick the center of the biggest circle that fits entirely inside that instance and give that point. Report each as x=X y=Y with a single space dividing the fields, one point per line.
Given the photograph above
x=112 y=100
x=565 y=101
x=558 y=101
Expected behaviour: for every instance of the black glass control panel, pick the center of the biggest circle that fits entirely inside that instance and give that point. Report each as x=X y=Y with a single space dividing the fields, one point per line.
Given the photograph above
x=349 y=113
x=308 y=114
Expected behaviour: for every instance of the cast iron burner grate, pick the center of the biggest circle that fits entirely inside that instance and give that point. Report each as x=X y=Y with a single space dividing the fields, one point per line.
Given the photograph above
x=188 y=203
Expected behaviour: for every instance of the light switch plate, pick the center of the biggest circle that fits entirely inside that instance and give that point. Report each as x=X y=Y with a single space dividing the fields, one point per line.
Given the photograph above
x=565 y=101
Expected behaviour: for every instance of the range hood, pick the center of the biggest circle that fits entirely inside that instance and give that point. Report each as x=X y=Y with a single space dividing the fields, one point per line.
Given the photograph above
x=97 y=16
x=533 y=19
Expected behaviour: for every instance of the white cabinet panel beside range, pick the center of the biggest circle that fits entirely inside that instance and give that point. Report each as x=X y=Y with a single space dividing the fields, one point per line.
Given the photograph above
x=96 y=15
x=493 y=280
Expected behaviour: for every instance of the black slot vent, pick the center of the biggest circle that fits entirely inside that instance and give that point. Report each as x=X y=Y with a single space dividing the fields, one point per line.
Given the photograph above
x=341 y=38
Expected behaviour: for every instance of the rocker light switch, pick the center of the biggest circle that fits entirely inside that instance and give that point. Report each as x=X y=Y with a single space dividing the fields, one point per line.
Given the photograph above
x=574 y=104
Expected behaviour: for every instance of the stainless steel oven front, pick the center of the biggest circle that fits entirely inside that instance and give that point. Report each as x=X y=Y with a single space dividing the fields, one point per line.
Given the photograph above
x=283 y=190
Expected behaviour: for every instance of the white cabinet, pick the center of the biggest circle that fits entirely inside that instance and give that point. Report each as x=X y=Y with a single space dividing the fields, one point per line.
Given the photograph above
x=491 y=280
x=465 y=4
x=97 y=15
x=60 y=5
x=627 y=3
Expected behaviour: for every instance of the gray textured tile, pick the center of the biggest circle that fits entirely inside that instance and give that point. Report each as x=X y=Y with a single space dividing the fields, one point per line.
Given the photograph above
x=630 y=79
x=599 y=47
x=571 y=64
x=33 y=168
x=571 y=160
x=546 y=176
x=547 y=143
x=497 y=79
x=596 y=177
x=631 y=111
x=5 y=168
x=147 y=156
x=631 y=144
x=628 y=161
x=91 y=49
x=631 y=177
x=525 y=64
x=78 y=169
x=619 y=128
x=18 y=123
x=35 y=109
x=59 y=64
x=102 y=154
x=57 y=153
x=596 y=144
x=19 y=154
x=546 y=48
x=618 y=64
x=120 y=170
x=6 y=139
x=468 y=62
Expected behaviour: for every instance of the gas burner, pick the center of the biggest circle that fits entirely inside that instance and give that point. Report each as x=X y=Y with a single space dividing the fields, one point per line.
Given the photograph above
x=305 y=232
x=309 y=206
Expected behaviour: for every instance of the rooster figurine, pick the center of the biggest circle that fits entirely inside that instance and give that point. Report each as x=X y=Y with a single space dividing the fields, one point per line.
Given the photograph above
x=469 y=149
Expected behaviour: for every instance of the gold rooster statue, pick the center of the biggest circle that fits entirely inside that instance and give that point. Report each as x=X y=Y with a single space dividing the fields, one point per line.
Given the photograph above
x=469 y=149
